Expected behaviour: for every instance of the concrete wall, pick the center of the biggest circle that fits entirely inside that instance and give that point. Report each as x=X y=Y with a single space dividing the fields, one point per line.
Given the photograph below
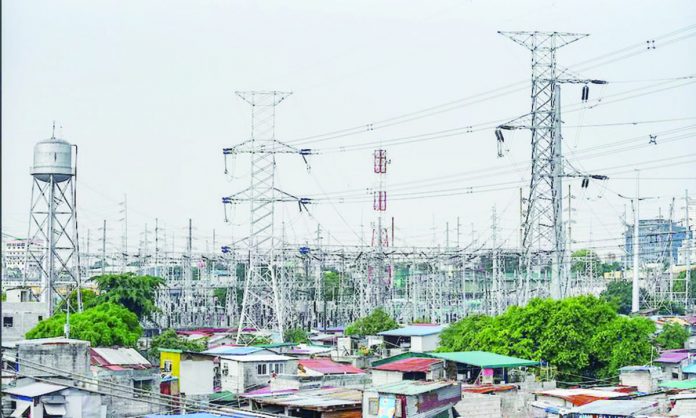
x=479 y=406
x=118 y=407
x=25 y=316
x=242 y=376
x=425 y=343
x=66 y=355
x=196 y=376
x=642 y=379
x=382 y=377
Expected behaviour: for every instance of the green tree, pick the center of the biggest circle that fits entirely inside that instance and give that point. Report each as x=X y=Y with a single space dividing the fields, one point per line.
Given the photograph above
x=331 y=285
x=580 y=336
x=296 y=335
x=89 y=300
x=680 y=283
x=586 y=262
x=137 y=293
x=252 y=339
x=104 y=325
x=170 y=339
x=672 y=336
x=620 y=293
x=220 y=294
x=372 y=324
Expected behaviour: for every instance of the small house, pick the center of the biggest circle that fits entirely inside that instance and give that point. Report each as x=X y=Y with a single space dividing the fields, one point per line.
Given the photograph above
x=126 y=368
x=411 y=398
x=644 y=378
x=316 y=403
x=236 y=350
x=413 y=368
x=672 y=361
x=196 y=371
x=37 y=399
x=239 y=374
x=569 y=398
x=613 y=409
x=482 y=367
x=416 y=338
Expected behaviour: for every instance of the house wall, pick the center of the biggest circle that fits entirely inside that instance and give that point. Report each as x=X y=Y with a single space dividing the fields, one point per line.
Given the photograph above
x=25 y=316
x=196 y=376
x=422 y=344
x=175 y=358
x=382 y=377
x=115 y=406
x=642 y=379
x=553 y=400
x=72 y=356
x=479 y=406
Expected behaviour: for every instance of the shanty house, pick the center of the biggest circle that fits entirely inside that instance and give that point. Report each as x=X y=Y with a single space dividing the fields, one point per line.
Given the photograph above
x=416 y=338
x=236 y=350
x=613 y=409
x=241 y=373
x=411 y=398
x=315 y=403
x=569 y=398
x=644 y=378
x=323 y=367
x=671 y=363
x=480 y=367
x=195 y=371
x=126 y=368
x=413 y=368
x=39 y=399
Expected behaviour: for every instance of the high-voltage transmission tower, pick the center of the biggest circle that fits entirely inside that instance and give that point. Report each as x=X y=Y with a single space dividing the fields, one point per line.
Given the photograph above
x=542 y=227
x=52 y=241
x=264 y=303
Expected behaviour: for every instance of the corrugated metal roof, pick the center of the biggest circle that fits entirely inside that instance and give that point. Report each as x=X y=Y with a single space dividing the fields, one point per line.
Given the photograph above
x=413 y=364
x=413 y=331
x=411 y=387
x=672 y=356
x=581 y=396
x=232 y=350
x=329 y=367
x=691 y=368
x=258 y=357
x=318 y=399
x=120 y=356
x=485 y=359
x=679 y=384
x=619 y=408
x=34 y=389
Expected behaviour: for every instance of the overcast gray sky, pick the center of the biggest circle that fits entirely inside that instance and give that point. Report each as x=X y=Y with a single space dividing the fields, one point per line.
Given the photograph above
x=146 y=89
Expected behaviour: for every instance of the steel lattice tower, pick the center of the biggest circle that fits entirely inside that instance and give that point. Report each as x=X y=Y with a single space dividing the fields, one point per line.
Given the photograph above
x=264 y=303
x=543 y=235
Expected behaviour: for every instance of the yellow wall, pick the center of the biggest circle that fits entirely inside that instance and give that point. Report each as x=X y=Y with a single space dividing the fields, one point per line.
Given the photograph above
x=175 y=358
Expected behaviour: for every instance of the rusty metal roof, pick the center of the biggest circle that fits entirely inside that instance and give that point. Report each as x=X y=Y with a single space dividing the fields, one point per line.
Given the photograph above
x=413 y=364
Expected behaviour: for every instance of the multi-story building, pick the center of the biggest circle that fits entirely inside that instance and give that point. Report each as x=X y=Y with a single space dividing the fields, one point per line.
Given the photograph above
x=14 y=257
x=659 y=240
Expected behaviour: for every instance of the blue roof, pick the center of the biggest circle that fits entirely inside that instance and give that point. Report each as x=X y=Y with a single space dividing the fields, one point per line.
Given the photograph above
x=413 y=331
x=691 y=368
x=232 y=351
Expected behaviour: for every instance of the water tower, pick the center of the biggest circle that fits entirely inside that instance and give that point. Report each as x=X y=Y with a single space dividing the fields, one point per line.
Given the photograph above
x=52 y=244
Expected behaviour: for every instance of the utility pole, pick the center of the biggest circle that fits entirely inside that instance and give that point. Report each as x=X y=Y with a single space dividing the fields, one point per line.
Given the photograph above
x=688 y=246
x=635 y=299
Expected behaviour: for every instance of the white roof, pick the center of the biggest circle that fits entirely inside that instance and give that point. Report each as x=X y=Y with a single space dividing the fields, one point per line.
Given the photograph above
x=590 y=392
x=34 y=389
x=258 y=357
x=121 y=356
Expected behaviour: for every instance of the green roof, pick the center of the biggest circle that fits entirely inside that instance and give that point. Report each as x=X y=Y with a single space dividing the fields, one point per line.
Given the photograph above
x=679 y=384
x=223 y=396
x=485 y=359
x=170 y=350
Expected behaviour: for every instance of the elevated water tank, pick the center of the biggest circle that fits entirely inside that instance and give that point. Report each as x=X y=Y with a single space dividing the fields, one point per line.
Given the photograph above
x=52 y=157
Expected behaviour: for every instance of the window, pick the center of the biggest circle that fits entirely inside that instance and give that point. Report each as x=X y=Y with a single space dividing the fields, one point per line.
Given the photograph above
x=40 y=318
x=262 y=369
x=277 y=368
x=225 y=369
x=141 y=387
x=167 y=365
x=7 y=322
x=373 y=406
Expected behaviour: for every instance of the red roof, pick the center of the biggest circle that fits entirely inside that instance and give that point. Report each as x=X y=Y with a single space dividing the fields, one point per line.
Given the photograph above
x=413 y=364
x=329 y=367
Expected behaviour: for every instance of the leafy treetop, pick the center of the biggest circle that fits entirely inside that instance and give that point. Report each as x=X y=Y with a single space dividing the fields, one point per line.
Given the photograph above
x=104 y=325
x=137 y=293
x=296 y=335
x=170 y=339
x=672 y=336
x=376 y=322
